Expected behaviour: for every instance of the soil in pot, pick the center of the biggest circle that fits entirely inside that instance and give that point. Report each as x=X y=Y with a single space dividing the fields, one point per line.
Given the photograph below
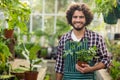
x=80 y=63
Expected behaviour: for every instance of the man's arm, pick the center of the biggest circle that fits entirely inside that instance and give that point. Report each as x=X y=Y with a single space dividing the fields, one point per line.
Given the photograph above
x=59 y=76
x=98 y=66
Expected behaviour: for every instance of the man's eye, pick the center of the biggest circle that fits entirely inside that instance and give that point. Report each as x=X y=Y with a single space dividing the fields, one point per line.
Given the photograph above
x=78 y=16
x=81 y=16
x=74 y=16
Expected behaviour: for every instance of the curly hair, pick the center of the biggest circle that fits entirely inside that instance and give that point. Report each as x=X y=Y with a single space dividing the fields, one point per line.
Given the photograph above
x=80 y=7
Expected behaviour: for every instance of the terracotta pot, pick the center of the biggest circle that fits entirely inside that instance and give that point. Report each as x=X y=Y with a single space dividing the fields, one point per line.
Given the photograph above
x=80 y=63
x=31 y=75
x=8 y=33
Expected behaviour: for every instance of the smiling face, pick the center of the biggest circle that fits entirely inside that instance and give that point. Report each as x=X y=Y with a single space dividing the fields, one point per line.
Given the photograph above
x=78 y=20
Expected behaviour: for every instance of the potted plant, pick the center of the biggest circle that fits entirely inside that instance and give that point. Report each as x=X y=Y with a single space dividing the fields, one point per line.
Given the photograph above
x=16 y=14
x=84 y=56
x=19 y=72
x=31 y=56
x=107 y=8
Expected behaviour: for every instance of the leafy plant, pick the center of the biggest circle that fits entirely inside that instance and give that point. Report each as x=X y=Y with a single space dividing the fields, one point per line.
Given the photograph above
x=104 y=6
x=72 y=47
x=4 y=56
x=47 y=77
x=67 y=52
x=114 y=48
x=83 y=55
x=86 y=55
x=30 y=55
x=16 y=13
x=115 y=70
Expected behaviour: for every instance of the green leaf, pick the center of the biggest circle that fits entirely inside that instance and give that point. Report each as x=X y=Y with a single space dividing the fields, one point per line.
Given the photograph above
x=33 y=51
x=37 y=61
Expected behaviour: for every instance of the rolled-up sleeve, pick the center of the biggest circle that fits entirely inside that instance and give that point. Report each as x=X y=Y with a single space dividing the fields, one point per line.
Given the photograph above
x=104 y=55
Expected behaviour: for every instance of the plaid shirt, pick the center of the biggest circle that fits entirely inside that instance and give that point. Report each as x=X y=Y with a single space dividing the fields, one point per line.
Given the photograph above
x=93 y=39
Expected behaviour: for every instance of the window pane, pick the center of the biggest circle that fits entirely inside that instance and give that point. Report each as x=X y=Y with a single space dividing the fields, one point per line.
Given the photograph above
x=49 y=24
x=49 y=6
x=62 y=5
x=37 y=22
x=37 y=6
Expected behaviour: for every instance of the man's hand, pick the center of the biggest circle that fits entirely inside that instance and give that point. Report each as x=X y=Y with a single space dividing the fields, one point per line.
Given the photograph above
x=59 y=76
x=86 y=68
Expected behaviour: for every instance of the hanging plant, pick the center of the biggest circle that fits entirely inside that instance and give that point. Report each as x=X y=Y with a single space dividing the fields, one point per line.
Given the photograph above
x=107 y=8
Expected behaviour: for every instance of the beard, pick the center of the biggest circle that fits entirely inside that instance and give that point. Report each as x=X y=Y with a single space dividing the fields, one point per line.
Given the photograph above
x=79 y=28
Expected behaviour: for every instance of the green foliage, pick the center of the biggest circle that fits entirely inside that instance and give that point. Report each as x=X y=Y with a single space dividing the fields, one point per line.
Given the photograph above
x=43 y=52
x=62 y=27
x=104 y=6
x=115 y=70
x=47 y=77
x=20 y=69
x=86 y=55
x=4 y=50
x=72 y=47
x=16 y=13
x=114 y=49
x=67 y=52
x=4 y=55
x=7 y=77
x=31 y=55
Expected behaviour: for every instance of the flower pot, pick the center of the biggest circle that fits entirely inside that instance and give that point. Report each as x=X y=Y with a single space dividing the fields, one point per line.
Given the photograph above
x=80 y=63
x=110 y=18
x=31 y=75
x=8 y=33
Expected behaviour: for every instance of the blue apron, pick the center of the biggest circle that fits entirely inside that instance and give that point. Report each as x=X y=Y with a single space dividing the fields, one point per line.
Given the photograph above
x=70 y=72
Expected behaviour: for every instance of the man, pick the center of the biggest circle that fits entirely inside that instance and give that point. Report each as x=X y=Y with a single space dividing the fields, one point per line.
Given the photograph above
x=79 y=16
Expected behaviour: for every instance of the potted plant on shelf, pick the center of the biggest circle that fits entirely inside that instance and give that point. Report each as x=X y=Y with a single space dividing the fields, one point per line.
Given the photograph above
x=85 y=56
x=31 y=56
x=16 y=14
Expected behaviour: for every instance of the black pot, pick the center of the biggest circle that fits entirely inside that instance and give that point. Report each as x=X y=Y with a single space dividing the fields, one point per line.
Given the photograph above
x=110 y=18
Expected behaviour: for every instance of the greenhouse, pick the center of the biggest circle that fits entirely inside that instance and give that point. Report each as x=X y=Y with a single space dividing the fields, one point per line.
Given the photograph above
x=45 y=39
